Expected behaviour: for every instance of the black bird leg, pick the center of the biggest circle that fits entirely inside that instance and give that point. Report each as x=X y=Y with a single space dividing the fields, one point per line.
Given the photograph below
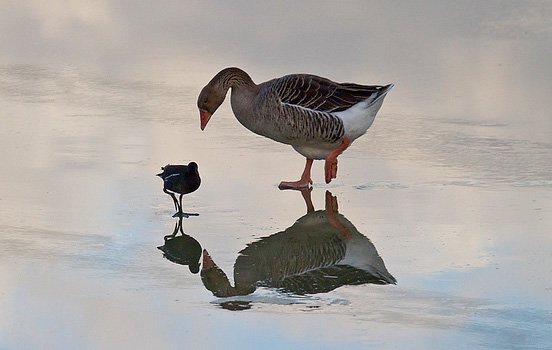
x=180 y=203
x=175 y=231
x=180 y=225
x=176 y=206
x=181 y=213
x=173 y=198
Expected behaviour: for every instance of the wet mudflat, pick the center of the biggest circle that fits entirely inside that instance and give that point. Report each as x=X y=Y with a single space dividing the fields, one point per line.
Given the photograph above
x=448 y=194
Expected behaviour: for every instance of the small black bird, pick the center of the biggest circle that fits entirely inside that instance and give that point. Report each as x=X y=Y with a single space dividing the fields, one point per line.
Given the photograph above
x=181 y=179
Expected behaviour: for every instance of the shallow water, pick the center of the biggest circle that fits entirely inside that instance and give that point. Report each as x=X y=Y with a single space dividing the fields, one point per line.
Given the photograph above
x=449 y=192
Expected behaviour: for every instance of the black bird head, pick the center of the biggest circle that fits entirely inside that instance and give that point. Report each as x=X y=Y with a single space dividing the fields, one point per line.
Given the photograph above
x=192 y=166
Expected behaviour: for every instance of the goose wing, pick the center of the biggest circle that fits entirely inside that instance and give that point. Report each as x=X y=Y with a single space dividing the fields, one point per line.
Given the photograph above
x=306 y=105
x=321 y=94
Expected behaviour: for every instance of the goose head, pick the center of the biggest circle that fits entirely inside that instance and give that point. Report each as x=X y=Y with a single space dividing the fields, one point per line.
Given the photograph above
x=216 y=281
x=209 y=100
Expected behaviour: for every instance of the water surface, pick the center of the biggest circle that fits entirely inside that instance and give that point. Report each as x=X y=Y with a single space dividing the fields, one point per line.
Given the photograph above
x=450 y=190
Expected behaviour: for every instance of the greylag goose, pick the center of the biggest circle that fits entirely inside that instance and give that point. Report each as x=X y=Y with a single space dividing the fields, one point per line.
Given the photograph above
x=322 y=251
x=181 y=179
x=319 y=118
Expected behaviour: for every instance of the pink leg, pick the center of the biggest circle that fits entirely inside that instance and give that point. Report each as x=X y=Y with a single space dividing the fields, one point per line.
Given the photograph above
x=332 y=215
x=304 y=182
x=306 y=193
x=330 y=167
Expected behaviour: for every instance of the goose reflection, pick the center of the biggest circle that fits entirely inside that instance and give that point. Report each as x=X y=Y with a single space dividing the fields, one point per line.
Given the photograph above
x=182 y=249
x=322 y=251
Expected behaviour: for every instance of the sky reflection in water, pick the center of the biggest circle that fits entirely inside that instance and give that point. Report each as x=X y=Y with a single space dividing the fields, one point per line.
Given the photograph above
x=452 y=183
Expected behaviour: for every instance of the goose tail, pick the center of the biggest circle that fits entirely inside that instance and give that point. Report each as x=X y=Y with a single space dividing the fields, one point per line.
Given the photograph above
x=379 y=95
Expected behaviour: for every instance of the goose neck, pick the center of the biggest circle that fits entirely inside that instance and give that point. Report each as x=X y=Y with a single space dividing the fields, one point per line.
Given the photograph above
x=234 y=78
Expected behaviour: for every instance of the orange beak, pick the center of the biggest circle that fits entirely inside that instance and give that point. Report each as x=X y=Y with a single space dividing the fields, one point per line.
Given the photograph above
x=204 y=117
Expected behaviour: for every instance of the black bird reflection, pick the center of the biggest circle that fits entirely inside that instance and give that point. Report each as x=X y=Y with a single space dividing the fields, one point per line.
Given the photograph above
x=182 y=249
x=322 y=251
x=181 y=179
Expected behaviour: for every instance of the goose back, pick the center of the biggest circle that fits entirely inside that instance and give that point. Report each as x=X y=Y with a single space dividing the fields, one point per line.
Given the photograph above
x=303 y=110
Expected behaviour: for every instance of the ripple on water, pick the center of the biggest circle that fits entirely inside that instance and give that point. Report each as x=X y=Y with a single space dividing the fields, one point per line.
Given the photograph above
x=378 y=185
